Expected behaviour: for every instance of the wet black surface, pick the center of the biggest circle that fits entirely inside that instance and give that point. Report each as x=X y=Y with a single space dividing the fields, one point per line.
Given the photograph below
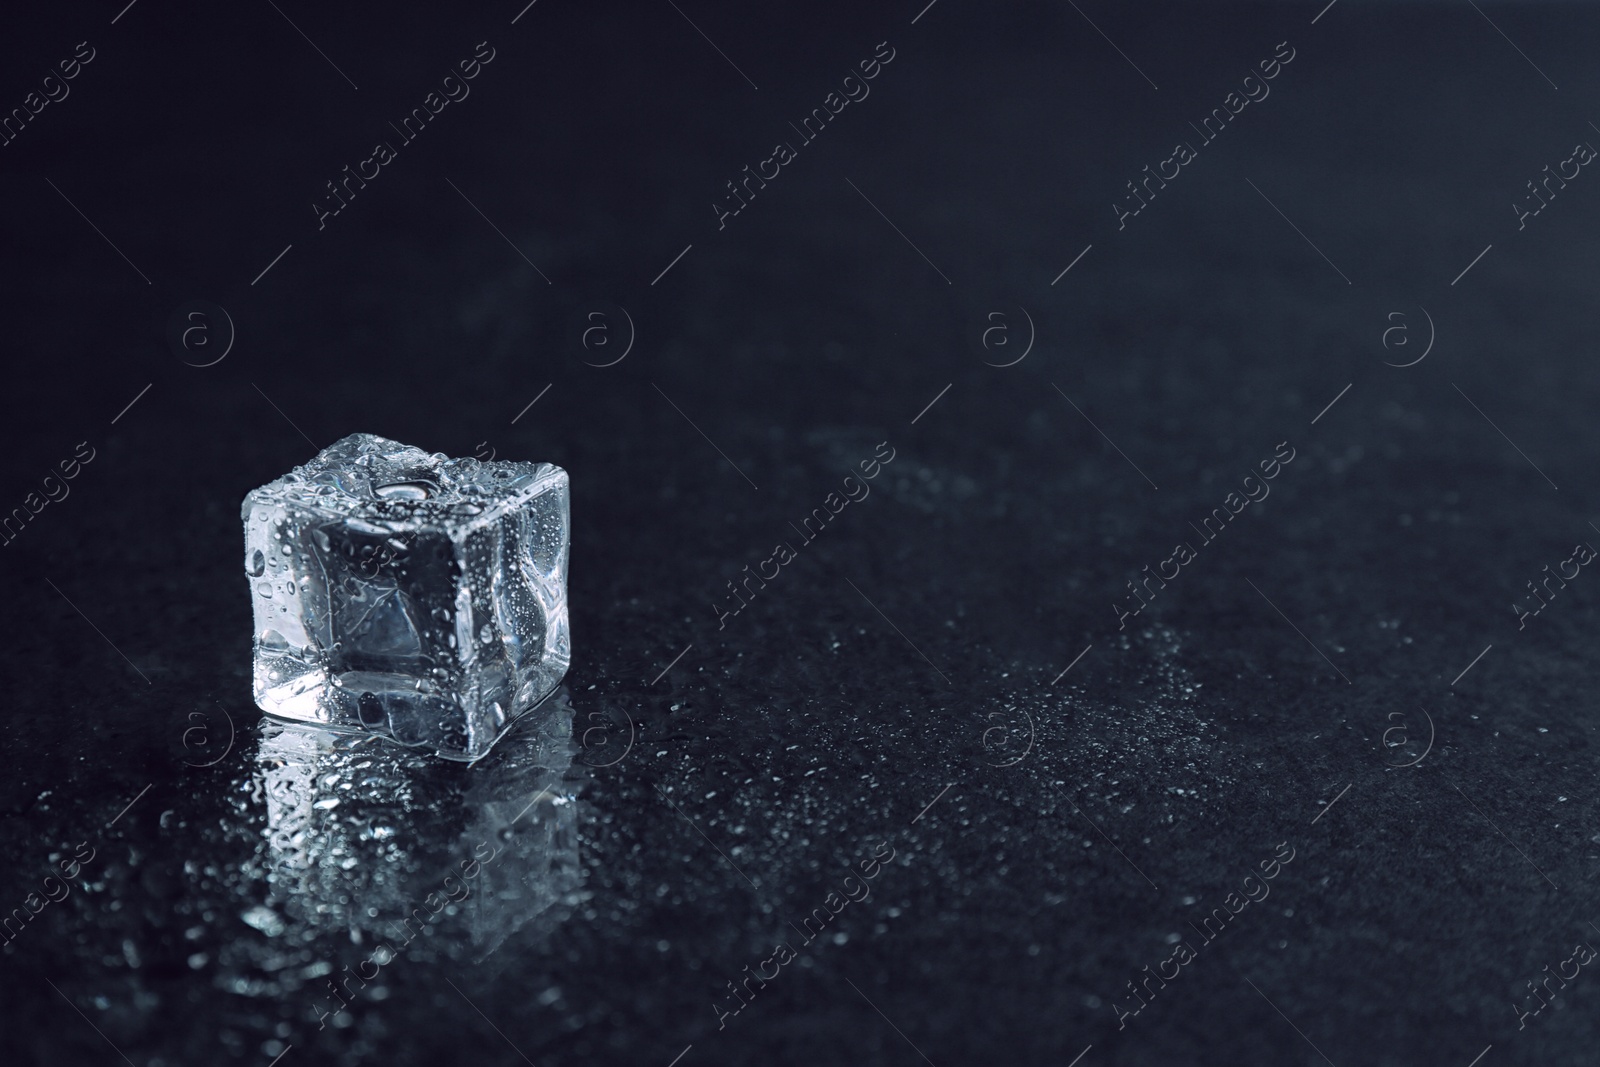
x=935 y=724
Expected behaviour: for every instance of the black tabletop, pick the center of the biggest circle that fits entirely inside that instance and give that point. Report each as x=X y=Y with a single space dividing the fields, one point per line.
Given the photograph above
x=1080 y=531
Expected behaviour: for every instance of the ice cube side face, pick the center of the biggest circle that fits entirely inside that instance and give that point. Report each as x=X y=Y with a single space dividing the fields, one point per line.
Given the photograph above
x=409 y=594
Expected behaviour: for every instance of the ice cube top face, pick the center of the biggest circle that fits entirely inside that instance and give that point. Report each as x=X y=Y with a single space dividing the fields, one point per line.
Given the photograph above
x=405 y=593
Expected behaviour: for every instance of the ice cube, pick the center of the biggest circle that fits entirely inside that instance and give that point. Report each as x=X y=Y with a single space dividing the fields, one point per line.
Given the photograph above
x=409 y=594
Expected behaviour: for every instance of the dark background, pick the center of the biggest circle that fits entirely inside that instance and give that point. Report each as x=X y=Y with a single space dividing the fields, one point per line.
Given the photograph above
x=912 y=655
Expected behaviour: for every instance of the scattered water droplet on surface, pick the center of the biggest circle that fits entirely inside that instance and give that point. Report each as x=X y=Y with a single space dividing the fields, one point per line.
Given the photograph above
x=264 y=919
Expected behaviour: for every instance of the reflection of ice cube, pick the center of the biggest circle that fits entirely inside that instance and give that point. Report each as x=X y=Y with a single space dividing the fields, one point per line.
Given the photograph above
x=409 y=594
x=345 y=816
x=358 y=833
x=526 y=809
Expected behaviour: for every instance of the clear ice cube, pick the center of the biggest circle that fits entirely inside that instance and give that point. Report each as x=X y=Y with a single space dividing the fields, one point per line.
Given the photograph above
x=405 y=593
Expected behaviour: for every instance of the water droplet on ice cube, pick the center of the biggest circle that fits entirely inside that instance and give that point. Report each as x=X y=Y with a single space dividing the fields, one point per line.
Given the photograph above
x=370 y=708
x=405 y=491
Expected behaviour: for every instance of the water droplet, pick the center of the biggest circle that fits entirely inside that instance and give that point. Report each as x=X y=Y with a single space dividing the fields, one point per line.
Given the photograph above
x=370 y=708
x=258 y=564
x=266 y=920
x=264 y=588
x=486 y=633
x=405 y=491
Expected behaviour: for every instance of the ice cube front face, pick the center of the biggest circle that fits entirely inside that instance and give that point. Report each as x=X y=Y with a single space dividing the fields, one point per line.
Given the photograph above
x=402 y=592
